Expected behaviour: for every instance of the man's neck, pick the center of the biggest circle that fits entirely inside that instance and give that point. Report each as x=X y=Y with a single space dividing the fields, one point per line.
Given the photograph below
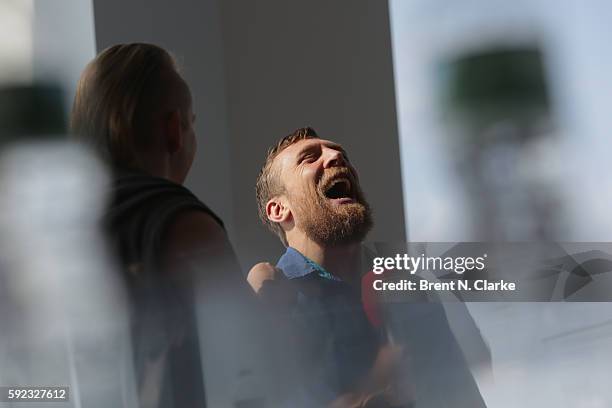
x=343 y=261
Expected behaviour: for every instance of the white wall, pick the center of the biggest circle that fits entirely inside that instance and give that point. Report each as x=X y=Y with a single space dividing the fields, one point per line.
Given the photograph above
x=326 y=64
x=190 y=29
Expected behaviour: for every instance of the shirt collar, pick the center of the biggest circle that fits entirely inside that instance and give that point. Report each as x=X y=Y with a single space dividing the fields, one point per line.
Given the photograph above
x=295 y=265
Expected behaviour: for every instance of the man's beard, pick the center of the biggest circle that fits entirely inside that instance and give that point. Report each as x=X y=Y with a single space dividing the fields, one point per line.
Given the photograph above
x=331 y=225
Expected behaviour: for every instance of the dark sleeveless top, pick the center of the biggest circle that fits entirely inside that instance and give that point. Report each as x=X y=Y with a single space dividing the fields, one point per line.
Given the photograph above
x=142 y=208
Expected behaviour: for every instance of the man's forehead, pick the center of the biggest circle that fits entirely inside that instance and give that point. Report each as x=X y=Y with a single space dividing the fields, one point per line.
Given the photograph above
x=296 y=148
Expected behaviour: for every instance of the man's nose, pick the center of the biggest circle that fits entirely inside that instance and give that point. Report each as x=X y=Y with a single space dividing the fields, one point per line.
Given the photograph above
x=333 y=158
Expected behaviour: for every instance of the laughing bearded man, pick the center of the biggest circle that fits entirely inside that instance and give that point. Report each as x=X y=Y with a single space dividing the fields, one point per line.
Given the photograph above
x=309 y=194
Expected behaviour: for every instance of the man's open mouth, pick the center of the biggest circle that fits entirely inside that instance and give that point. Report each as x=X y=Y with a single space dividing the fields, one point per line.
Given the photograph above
x=339 y=190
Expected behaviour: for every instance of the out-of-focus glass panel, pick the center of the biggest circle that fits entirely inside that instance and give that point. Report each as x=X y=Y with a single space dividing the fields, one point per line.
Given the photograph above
x=504 y=135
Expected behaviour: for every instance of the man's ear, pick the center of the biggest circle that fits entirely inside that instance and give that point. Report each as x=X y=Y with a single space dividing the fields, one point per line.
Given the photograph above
x=174 y=131
x=277 y=211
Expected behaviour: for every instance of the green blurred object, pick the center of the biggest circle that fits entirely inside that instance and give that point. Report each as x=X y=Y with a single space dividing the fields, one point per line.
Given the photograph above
x=31 y=112
x=508 y=77
x=496 y=84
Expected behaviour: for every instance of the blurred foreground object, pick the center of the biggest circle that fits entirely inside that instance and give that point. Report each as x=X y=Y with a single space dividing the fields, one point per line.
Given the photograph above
x=504 y=133
x=498 y=121
x=62 y=310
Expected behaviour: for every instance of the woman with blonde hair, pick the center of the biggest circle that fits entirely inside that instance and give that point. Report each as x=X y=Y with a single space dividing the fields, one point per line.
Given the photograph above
x=134 y=109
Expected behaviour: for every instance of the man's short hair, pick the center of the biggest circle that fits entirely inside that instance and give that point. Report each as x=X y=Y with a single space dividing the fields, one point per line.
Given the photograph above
x=268 y=181
x=117 y=95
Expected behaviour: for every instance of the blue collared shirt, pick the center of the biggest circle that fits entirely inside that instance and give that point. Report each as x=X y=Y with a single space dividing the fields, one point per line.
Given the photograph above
x=296 y=265
x=336 y=343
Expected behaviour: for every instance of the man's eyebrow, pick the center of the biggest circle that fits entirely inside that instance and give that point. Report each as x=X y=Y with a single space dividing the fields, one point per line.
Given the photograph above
x=307 y=149
x=317 y=147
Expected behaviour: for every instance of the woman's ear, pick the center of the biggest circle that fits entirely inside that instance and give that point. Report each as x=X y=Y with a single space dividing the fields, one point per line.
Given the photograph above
x=277 y=211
